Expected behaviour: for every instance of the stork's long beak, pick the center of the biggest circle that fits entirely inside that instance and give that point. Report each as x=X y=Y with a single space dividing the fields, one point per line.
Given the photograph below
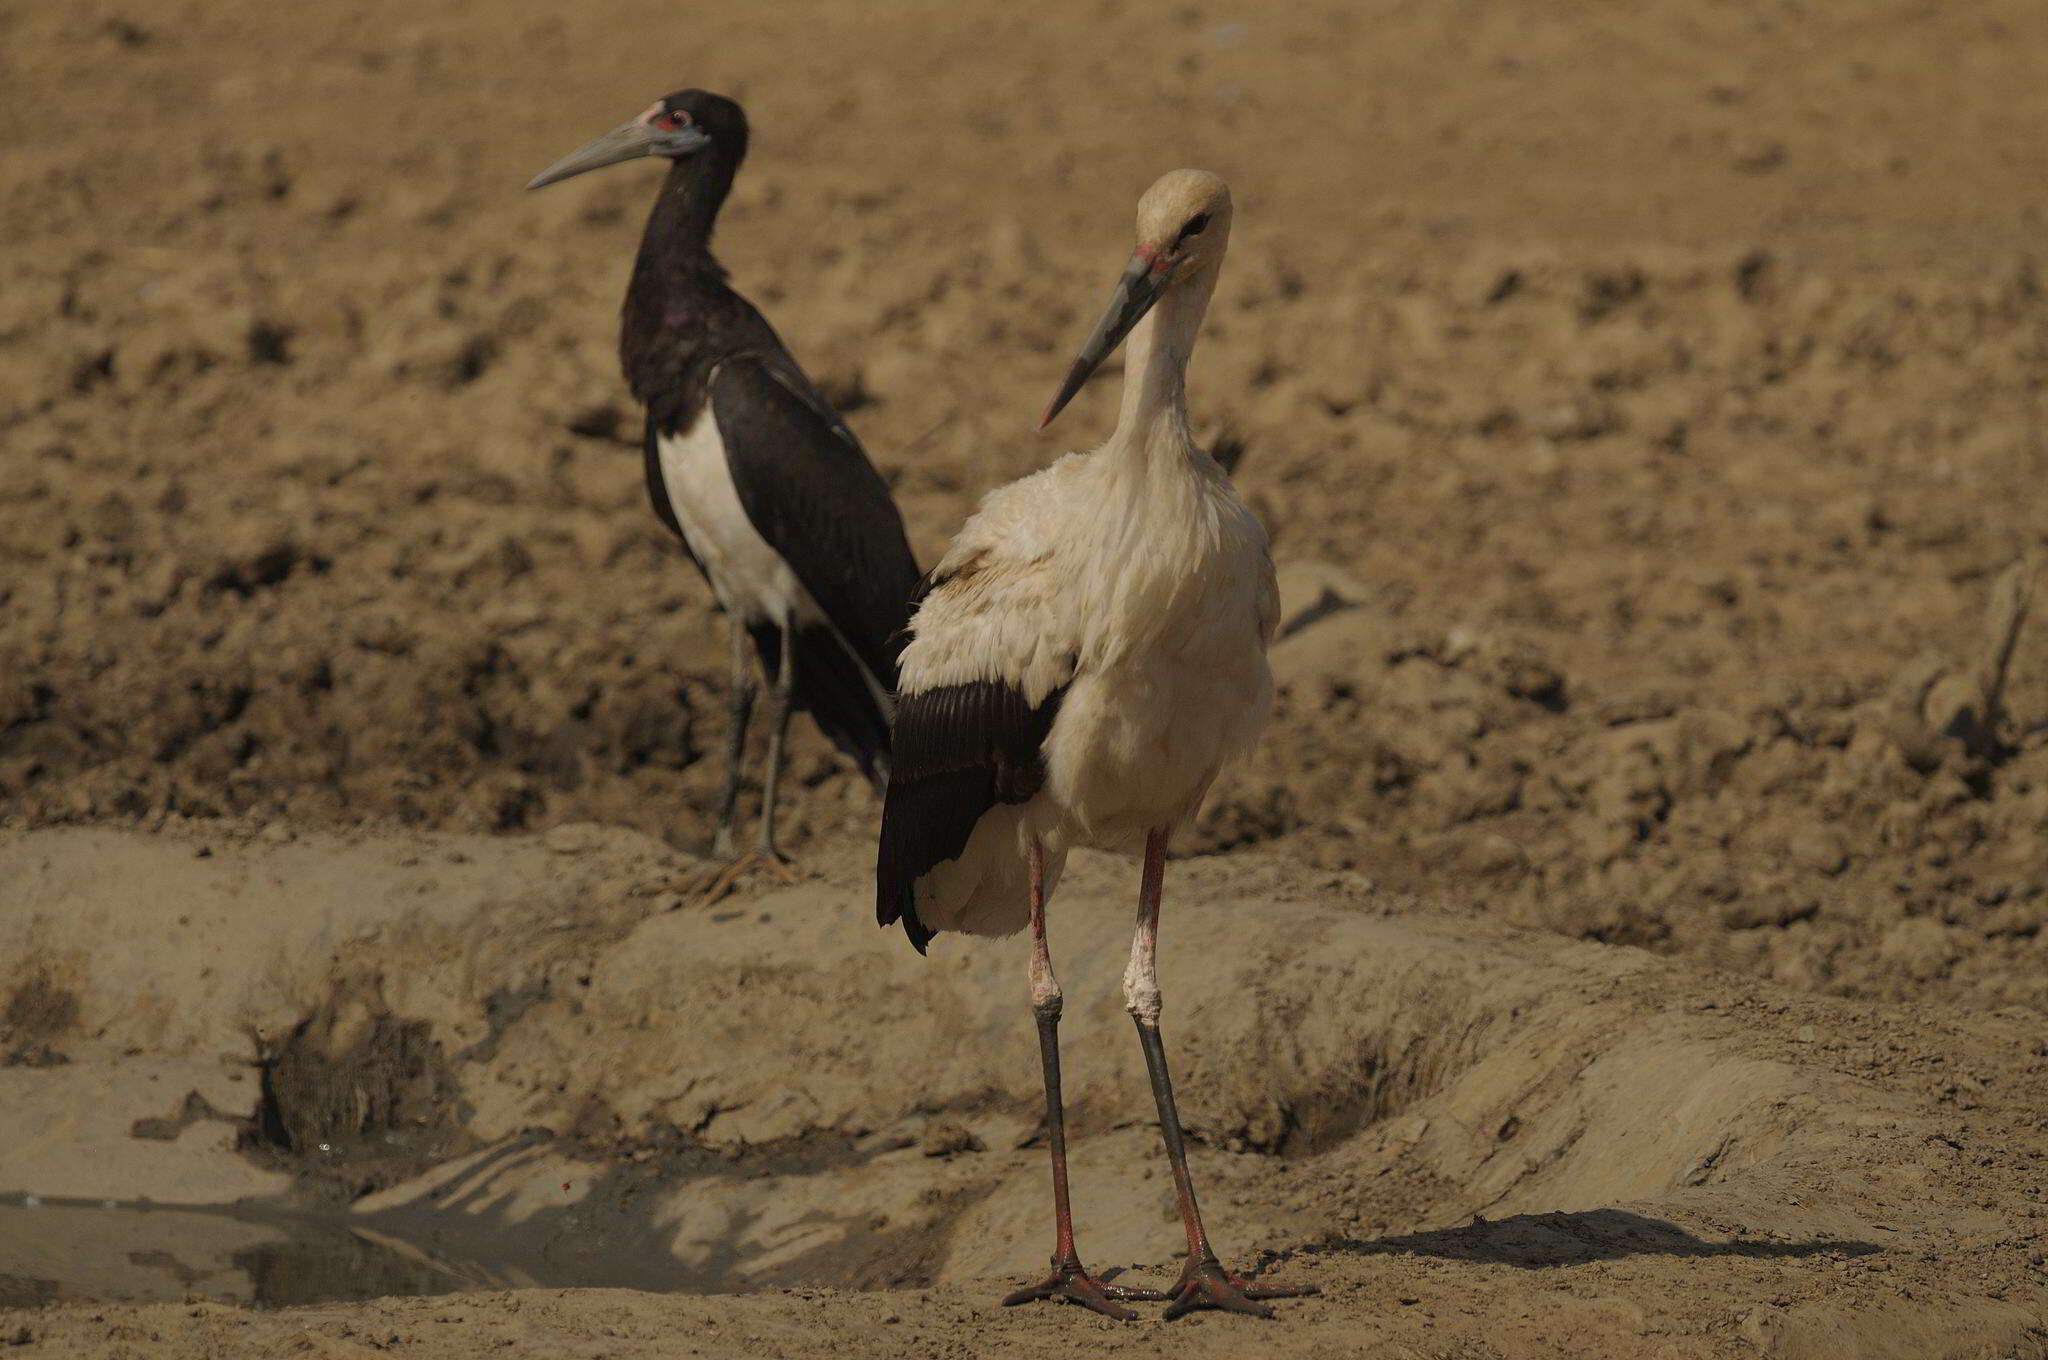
x=1135 y=293
x=622 y=143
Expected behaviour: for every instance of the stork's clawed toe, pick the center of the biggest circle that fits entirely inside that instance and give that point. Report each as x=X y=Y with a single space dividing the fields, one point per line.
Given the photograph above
x=718 y=882
x=1071 y=1283
x=1205 y=1284
x=1202 y=1285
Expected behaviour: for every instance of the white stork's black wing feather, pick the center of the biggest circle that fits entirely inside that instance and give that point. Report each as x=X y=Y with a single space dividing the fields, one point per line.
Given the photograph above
x=957 y=751
x=811 y=493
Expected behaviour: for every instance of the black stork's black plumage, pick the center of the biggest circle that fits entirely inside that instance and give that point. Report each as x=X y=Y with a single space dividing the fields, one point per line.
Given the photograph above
x=770 y=493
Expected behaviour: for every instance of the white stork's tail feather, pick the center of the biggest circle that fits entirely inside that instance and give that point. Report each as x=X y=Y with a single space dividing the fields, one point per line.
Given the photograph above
x=960 y=750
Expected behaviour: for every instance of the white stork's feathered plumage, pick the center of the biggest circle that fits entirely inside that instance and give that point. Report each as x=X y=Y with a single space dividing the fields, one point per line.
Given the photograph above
x=1094 y=641
x=1087 y=656
x=1127 y=596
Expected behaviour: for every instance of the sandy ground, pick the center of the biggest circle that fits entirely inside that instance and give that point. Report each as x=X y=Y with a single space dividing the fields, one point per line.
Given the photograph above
x=1646 y=855
x=1475 y=1140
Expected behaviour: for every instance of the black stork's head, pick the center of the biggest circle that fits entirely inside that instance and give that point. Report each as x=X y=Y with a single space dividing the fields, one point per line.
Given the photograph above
x=1183 y=227
x=675 y=126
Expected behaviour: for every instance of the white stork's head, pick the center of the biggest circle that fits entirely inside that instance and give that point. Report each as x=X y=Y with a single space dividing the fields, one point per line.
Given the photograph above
x=1183 y=225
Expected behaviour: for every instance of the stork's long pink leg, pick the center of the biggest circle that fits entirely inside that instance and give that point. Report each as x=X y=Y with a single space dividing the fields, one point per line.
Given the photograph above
x=1068 y=1280
x=1204 y=1283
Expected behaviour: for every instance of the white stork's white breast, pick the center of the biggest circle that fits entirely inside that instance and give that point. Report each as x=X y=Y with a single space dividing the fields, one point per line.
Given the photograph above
x=750 y=577
x=1178 y=684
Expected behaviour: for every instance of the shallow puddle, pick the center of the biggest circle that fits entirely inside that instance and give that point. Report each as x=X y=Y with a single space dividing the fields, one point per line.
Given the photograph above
x=56 y=1250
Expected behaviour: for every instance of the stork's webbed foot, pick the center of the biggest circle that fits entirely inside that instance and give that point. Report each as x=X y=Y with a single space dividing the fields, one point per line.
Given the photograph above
x=1073 y=1284
x=1206 y=1284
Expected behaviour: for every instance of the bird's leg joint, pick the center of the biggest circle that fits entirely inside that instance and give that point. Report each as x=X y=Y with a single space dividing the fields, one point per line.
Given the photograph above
x=1141 y=995
x=1046 y=998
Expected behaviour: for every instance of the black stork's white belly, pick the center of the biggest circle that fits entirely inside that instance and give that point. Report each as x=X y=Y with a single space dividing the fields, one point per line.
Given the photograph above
x=750 y=578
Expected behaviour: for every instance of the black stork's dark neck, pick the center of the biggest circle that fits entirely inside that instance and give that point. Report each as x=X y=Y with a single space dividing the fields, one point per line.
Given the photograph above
x=677 y=240
x=678 y=307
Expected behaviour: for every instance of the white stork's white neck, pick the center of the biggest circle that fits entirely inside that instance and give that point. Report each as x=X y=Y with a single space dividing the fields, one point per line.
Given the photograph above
x=1155 y=408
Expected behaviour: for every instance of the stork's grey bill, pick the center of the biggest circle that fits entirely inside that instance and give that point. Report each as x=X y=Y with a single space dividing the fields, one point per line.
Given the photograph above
x=629 y=142
x=1135 y=293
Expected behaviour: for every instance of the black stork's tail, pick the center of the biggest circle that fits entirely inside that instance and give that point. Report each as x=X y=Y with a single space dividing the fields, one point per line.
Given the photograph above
x=832 y=685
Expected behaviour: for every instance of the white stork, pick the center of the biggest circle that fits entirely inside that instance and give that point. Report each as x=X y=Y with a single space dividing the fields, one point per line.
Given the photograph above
x=1089 y=653
x=770 y=493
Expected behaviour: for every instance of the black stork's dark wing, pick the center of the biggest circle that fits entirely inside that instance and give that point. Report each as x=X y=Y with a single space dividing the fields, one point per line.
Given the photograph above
x=810 y=491
x=958 y=750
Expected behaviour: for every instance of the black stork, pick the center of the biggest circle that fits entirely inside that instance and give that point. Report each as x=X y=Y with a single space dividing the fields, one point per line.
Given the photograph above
x=772 y=496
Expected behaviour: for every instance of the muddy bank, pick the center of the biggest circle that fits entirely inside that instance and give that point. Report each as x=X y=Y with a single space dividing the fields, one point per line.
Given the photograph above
x=1670 y=456
x=769 y=1093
